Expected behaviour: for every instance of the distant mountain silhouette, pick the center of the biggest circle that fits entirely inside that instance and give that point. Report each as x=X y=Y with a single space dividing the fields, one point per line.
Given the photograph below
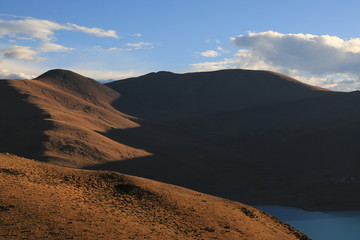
x=253 y=136
x=169 y=95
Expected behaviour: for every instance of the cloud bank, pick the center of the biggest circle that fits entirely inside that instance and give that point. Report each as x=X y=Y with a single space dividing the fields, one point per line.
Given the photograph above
x=323 y=60
x=303 y=52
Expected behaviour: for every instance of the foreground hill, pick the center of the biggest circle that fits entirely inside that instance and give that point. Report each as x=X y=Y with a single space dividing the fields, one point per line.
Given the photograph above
x=43 y=201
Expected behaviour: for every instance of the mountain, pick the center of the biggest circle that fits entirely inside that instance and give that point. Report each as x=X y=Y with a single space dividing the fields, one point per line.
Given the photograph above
x=43 y=201
x=79 y=86
x=65 y=115
x=165 y=95
x=295 y=143
x=252 y=136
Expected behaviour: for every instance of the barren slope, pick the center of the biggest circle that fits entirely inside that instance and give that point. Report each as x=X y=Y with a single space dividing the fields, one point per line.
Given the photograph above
x=40 y=200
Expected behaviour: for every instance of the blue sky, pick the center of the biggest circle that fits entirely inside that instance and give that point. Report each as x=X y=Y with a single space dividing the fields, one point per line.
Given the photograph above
x=317 y=42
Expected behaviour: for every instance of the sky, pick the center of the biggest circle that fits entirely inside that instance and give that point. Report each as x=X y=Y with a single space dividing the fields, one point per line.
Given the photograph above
x=316 y=42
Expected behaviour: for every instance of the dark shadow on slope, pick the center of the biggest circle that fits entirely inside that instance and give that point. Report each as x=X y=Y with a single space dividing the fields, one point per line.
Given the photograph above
x=203 y=160
x=293 y=154
x=22 y=124
x=233 y=183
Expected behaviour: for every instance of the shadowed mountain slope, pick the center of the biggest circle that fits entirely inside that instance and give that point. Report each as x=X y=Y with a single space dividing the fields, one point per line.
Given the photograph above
x=225 y=129
x=22 y=125
x=40 y=200
x=310 y=164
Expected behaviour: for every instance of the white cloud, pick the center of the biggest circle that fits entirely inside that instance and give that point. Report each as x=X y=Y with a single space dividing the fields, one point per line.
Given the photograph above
x=113 y=49
x=12 y=68
x=209 y=53
x=34 y=28
x=305 y=52
x=129 y=47
x=93 y=31
x=53 y=47
x=6 y=74
x=337 y=82
x=106 y=75
x=212 y=66
x=21 y=53
x=136 y=34
x=139 y=45
x=42 y=33
x=31 y=28
x=223 y=50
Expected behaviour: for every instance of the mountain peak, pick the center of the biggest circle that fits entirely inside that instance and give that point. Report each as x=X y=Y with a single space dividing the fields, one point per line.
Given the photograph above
x=160 y=73
x=59 y=73
x=77 y=84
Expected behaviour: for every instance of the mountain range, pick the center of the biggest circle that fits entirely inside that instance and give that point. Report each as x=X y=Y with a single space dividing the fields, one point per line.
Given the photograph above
x=257 y=137
x=253 y=136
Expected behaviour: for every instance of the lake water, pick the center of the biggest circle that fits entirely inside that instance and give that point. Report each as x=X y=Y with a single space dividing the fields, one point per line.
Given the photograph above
x=343 y=225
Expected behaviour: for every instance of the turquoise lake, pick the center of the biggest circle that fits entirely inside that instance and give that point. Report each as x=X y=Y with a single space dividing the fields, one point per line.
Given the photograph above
x=342 y=225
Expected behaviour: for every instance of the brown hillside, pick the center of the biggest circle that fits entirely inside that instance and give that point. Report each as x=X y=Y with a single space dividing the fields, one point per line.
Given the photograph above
x=42 y=201
x=70 y=113
x=80 y=86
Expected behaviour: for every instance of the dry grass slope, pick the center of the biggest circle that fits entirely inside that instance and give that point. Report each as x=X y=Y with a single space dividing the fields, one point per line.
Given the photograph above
x=43 y=201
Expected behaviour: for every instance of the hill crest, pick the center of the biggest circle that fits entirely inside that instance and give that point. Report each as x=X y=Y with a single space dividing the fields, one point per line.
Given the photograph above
x=173 y=95
x=81 y=86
